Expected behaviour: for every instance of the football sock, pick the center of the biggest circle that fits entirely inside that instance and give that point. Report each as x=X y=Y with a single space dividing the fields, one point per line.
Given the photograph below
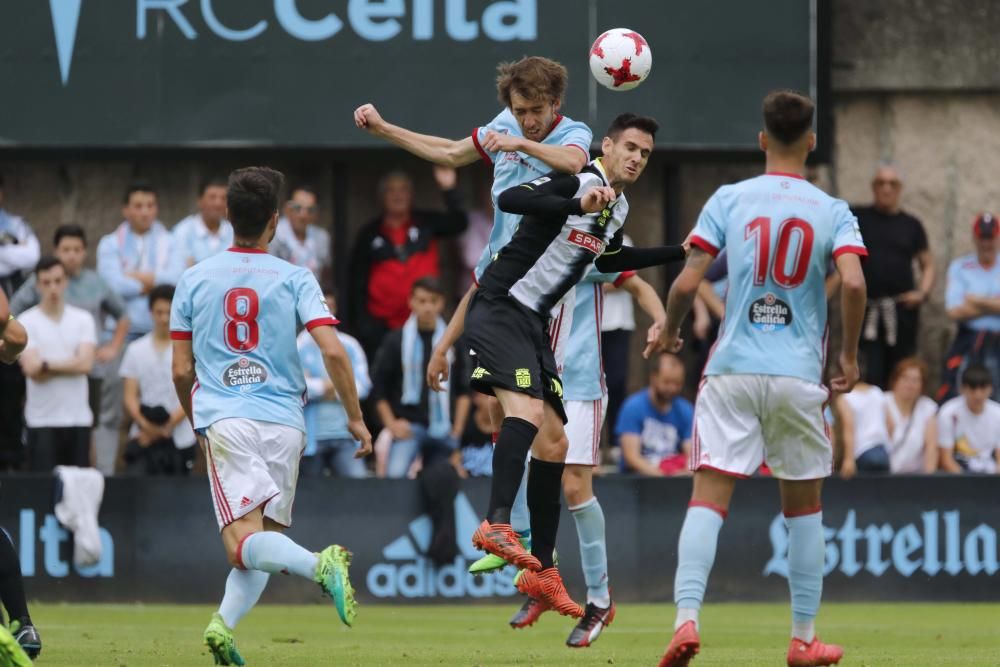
x=272 y=552
x=806 y=555
x=11 y=582
x=520 y=520
x=511 y=449
x=695 y=556
x=589 y=518
x=243 y=589
x=544 y=488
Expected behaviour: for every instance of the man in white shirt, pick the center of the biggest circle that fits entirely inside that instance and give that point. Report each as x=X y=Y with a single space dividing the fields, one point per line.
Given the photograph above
x=59 y=355
x=299 y=240
x=161 y=439
x=206 y=232
x=969 y=426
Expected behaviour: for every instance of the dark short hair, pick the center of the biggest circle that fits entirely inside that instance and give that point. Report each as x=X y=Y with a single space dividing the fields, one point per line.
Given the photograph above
x=164 y=292
x=137 y=186
x=212 y=182
x=976 y=376
x=302 y=187
x=429 y=283
x=630 y=120
x=656 y=361
x=48 y=262
x=788 y=114
x=252 y=198
x=70 y=231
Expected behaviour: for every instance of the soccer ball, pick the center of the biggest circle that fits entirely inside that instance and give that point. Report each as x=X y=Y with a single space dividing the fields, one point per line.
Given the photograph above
x=620 y=59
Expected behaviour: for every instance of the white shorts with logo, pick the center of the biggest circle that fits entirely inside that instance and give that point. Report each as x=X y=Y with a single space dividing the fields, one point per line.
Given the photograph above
x=741 y=421
x=583 y=429
x=253 y=463
x=560 y=323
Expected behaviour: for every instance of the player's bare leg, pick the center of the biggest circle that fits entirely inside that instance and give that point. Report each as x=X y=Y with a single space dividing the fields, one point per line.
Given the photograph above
x=800 y=503
x=695 y=556
x=578 y=487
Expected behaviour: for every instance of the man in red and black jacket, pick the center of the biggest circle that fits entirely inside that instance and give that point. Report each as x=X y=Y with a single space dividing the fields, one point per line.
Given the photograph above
x=394 y=250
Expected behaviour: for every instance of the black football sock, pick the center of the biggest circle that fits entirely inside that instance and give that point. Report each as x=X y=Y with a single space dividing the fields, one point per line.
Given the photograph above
x=511 y=449
x=11 y=583
x=544 y=487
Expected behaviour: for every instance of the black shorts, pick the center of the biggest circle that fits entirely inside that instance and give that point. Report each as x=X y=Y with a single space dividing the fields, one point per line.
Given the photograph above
x=510 y=348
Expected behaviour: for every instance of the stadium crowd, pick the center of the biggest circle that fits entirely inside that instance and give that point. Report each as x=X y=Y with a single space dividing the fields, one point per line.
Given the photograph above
x=94 y=386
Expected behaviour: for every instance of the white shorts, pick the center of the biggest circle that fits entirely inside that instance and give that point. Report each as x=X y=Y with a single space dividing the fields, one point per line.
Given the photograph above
x=741 y=421
x=253 y=463
x=583 y=429
x=560 y=322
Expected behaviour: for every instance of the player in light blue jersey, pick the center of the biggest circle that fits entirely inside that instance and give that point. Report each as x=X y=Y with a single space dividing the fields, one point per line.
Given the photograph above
x=585 y=396
x=762 y=396
x=237 y=373
x=525 y=141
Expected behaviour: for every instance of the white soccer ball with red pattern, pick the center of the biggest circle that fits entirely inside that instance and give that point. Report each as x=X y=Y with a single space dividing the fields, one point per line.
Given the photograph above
x=620 y=59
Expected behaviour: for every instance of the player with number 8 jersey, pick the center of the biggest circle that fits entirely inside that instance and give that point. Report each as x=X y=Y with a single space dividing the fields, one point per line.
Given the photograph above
x=236 y=367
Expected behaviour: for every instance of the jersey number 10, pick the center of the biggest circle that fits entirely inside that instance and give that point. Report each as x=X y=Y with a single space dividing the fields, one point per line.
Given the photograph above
x=241 y=306
x=781 y=273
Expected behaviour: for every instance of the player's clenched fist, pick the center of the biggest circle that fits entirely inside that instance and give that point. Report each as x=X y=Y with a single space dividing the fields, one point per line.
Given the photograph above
x=367 y=117
x=361 y=434
x=595 y=199
x=500 y=142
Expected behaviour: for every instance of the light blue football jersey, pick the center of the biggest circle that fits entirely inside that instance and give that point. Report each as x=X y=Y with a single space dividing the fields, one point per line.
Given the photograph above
x=780 y=232
x=241 y=309
x=512 y=169
x=583 y=370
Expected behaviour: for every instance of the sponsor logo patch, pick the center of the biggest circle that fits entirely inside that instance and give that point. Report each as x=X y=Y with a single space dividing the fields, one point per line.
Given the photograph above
x=246 y=375
x=586 y=241
x=479 y=373
x=769 y=313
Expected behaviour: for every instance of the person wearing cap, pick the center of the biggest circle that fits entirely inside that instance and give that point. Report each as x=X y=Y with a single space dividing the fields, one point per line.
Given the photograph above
x=972 y=299
x=895 y=239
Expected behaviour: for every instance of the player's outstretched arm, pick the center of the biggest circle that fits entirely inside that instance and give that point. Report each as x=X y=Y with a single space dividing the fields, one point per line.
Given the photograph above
x=649 y=301
x=566 y=159
x=446 y=152
x=338 y=366
x=680 y=299
x=853 y=299
x=438 y=368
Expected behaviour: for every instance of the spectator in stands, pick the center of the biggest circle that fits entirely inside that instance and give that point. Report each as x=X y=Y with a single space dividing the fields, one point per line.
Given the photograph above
x=420 y=420
x=133 y=259
x=865 y=426
x=972 y=299
x=913 y=445
x=895 y=239
x=299 y=240
x=394 y=250
x=19 y=253
x=330 y=447
x=59 y=355
x=969 y=426
x=86 y=290
x=477 y=440
x=206 y=232
x=654 y=425
x=617 y=325
x=476 y=235
x=161 y=441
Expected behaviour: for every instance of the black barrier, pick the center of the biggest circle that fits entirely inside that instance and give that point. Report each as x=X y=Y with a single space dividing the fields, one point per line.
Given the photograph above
x=887 y=539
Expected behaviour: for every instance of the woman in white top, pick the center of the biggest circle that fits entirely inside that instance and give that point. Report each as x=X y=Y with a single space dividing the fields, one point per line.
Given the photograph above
x=913 y=448
x=865 y=426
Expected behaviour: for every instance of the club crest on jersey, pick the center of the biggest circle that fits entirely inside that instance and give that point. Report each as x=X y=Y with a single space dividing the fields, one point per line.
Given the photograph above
x=586 y=241
x=245 y=375
x=769 y=313
x=522 y=376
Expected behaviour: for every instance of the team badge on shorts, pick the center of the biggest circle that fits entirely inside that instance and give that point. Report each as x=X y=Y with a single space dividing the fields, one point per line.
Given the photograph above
x=769 y=313
x=244 y=375
x=522 y=376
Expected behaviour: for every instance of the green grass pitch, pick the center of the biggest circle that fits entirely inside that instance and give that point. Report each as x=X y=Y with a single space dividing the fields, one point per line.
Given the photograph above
x=732 y=634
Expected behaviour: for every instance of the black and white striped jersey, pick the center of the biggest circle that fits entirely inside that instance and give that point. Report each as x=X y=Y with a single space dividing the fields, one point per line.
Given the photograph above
x=555 y=241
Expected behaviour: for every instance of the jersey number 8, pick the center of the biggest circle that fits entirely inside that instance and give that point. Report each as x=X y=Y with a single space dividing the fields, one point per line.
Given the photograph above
x=241 y=307
x=781 y=273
